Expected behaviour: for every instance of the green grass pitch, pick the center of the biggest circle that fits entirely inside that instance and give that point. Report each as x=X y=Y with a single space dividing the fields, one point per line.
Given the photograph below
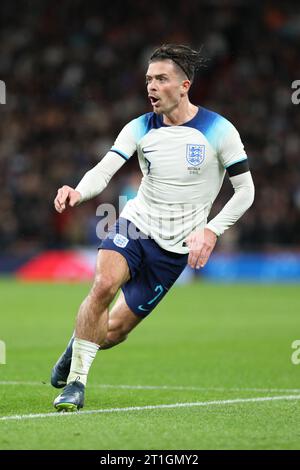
x=217 y=354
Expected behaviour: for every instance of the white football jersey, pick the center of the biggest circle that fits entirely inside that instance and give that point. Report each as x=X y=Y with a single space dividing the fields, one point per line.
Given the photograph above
x=183 y=170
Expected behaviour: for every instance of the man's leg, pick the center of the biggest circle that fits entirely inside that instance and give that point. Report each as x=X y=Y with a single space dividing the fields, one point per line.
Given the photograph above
x=111 y=272
x=121 y=320
x=92 y=325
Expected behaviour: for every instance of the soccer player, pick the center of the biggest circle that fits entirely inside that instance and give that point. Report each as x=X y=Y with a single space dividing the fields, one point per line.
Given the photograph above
x=184 y=151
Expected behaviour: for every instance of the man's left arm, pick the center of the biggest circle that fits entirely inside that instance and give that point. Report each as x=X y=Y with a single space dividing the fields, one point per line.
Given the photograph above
x=202 y=243
x=233 y=157
x=241 y=200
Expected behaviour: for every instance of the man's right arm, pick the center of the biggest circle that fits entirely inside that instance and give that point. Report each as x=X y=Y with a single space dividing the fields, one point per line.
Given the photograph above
x=96 y=179
x=92 y=184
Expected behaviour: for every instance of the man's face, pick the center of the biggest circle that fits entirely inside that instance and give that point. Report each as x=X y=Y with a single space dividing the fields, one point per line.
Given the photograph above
x=165 y=86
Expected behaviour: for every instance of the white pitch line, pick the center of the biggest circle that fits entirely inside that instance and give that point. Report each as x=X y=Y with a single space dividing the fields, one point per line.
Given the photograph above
x=166 y=387
x=152 y=407
x=200 y=389
x=17 y=382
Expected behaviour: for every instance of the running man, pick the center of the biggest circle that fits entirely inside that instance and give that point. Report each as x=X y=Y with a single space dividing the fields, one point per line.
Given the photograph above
x=184 y=151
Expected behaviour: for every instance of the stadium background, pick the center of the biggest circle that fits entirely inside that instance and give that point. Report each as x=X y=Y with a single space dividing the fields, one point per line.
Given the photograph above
x=74 y=73
x=216 y=362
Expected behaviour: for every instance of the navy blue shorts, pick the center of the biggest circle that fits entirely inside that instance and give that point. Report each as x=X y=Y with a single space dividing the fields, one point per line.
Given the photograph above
x=153 y=270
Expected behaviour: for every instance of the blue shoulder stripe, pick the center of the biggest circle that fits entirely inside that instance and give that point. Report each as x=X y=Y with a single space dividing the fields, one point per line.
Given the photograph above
x=143 y=124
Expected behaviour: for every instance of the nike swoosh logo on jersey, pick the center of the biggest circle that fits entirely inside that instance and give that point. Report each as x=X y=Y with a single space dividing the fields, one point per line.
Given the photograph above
x=148 y=151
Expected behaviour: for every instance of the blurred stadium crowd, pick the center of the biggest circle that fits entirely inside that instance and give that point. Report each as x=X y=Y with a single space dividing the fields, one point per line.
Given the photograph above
x=74 y=73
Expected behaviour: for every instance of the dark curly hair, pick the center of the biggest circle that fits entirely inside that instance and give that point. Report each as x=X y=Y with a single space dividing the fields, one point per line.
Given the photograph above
x=187 y=59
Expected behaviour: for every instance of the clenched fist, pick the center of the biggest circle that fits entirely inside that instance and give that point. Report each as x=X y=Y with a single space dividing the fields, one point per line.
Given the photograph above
x=66 y=196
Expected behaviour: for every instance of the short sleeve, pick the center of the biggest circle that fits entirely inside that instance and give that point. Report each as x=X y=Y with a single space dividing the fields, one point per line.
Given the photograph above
x=125 y=144
x=231 y=149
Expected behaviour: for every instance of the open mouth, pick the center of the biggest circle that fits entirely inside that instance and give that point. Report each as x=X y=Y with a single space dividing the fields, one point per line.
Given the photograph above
x=154 y=100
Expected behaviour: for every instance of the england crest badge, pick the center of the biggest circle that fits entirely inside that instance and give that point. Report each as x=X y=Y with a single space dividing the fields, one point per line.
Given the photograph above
x=195 y=154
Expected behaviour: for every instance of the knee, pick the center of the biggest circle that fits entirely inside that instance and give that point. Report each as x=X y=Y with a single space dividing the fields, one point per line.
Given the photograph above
x=104 y=288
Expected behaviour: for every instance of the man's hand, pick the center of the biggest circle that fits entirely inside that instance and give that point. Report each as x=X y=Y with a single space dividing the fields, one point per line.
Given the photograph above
x=201 y=243
x=66 y=196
